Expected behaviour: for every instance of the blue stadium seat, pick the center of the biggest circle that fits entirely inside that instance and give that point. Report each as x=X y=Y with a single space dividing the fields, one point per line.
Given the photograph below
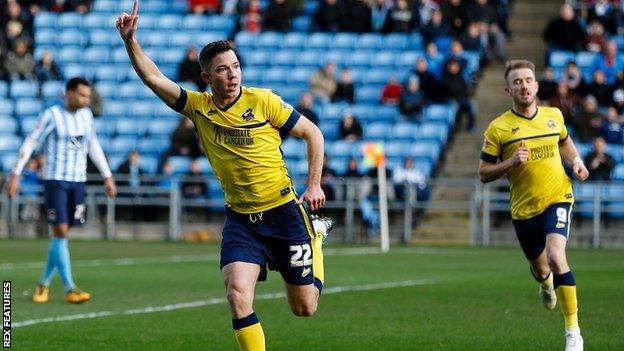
x=10 y=143
x=69 y=20
x=46 y=37
x=27 y=125
x=194 y=23
x=45 y=20
x=345 y=41
x=377 y=77
x=28 y=107
x=103 y=38
x=384 y=59
x=340 y=58
x=172 y=56
x=149 y=21
x=130 y=127
x=53 y=89
x=96 y=55
x=8 y=161
x=558 y=59
x=408 y=59
x=406 y=131
x=95 y=21
x=378 y=131
x=108 y=5
x=586 y=59
x=149 y=163
x=123 y=144
x=319 y=40
x=162 y=128
x=285 y=58
x=293 y=148
x=270 y=40
x=294 y=40
x=396 y=41
x=301 y=24
x=367 y=95
x=425 y=150
x=439 y=112
x=70 y=54
x=179 y=39
x=329 y=130
x=260 y=58
x=116 y=108
x=246 y=40
x=343 y=148
x=386 y=113
x=169 y=22
x=364 y=113
x=370 y=41
x=23 y=89
x=74 y=37
x=104 y=127
x=206 y=168
x=397 y=149
x=120 y=57
x=180 y=164
x=311 y=58
x=300 y=75
x=142 y=109
x=433 y=131
x=310 y=8
x=444 y=44
x=109 y=73
x=332 y=112
x=416 y=41
x=7 y=106
x=153 y=146
x=4 y=89
x=618 y=172
x=224 y=24
x=360 y=58
x=9 y=126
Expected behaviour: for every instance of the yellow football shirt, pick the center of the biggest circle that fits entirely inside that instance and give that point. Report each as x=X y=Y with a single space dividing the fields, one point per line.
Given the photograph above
x=242 y=142
x=541 y=181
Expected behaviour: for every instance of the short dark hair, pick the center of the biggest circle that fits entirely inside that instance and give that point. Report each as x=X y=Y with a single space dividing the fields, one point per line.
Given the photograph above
x=73 y=83
x=517 y=64
x=211 y=50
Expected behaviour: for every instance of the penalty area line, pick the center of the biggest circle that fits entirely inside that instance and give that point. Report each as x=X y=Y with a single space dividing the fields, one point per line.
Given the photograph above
x=217 y=301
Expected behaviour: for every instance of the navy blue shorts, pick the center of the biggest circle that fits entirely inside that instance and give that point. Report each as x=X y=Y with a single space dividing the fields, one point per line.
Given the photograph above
x=277 y=239
x=532 y=232
x=64 y=202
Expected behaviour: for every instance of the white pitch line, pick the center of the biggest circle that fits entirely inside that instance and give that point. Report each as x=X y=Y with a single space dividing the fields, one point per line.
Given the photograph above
x=129 y=261
x=217 y=301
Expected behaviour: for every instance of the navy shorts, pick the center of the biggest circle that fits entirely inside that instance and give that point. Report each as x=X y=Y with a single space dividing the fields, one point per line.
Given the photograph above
x=532 y=232
x=64 y=202
x=277 y=239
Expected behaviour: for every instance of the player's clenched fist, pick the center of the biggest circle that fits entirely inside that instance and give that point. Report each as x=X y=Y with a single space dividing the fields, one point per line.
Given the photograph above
x=521 y=155
x=127 y=23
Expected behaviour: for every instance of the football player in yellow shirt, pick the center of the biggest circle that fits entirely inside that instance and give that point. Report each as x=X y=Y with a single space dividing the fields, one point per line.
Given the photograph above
x=530 y=142
x=266 y=225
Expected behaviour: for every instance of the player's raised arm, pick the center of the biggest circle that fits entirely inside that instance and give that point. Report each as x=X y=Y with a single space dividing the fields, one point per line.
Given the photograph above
x=313 y=194
x=147 y=70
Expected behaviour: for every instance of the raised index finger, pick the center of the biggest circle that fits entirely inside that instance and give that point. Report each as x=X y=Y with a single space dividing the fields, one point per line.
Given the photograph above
x=135 y=8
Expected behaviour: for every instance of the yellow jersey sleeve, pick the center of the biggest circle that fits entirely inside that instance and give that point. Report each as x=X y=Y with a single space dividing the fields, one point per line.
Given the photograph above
x=280 y=114
x=189 y=103
x=491 y=150
x=563 y=133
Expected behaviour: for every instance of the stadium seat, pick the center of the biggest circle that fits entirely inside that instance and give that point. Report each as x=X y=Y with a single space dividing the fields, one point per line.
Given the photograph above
x=7 y=106
x=360 y=58
x=429 y=151
x=416 y=41
x=319 y=41
x=301 y=24
x=130 y=127
x=405 y=131
x=204 y=166
x=558 y=59
x=285 y=58
x=396 y=41
x=4 y=89
x=109 y=73
x=343 y=148
x=585 y=59
x=72 y=38
x=23 y=89
x=169 y=22
x=69 y=20
x=384 y=59
x=179 y=39
x=293 y=148
x=439 y=112
x=96 y=55
x=300 y=75
x=340 y=58
x=246 y=40
x=408 y=59
x=155 y=7
x=107 y=5
x=386 y=113
x=70 y=54
x=116 y=108
x=433 y=131
x=444 y=44
x=367 y=95
x=102 y=38
x=153 y=146
x=162 y=128
x=45 y=20
x=98 y=21
x=104 y=127
x=370 y=41
x=53 y=89
x=396 y=149
x=46 y=37
x=378 y=131
x=344 y=41
x=10 y=143
x=27 y=125
x=224 y=24
x=311 y=58
x=329 y=130
x=9 y=126
x=270 y=40
x=193 y=23
x=149 y=163
x=377 y=77
x=28 y=107
x=618 y=172
x=123 y=145
x=143 y=109
x=260 y=58
x=179 y=164
x=8 y=161
x=294 y=40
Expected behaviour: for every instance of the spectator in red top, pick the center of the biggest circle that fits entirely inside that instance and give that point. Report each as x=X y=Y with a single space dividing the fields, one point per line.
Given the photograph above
x=391 y=93
x=595 y=41
x=253 y=17
x=204 y=6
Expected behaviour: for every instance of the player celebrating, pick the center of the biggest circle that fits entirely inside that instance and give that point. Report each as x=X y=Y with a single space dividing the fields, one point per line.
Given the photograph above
x=266 y=226
x=69 y=135
x=531 y=143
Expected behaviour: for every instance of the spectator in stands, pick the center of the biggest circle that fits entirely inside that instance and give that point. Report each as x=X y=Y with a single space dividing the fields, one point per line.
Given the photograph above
x=277 y=16
x=455 y=15
x=353 y=169
x=379 y=15
x=165 y=178
x=327 y=180
x=359 y=16
x=435 y=60
x=200 y=7
x=412 y=100
x=97 y=103
x=564 y=32
x=610 y=62
x=471 y=40
x=306 y=107
x=436 y=28
x=184 y=140
x=457 y=89
x=599 y=89
x=566 y=102
x=547 y=85
x=345 y=90
x=14 y=32
x=587 y=122
x=19 y=63
x=47 y=69
x=400 y=18
x=189 y=70
x=599 y=163
x=13 y=11
x=573 y=78
x=329 y=16
x=350 y=128
x=430 y=86
x=457 y=53
x=194 y=186
x=611 y=129
x=606 y=13
x=391 y=92
x=252 y=20
x=322 y=83
x=595 y=40
x=80 y=6
x=618 y=101
x=408 y=175
x=132 y=169
x=484 y=14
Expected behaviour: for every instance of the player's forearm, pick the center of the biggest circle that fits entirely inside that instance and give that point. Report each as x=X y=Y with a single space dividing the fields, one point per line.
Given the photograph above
x=25 y=152
x=98 y=158
x=491 y=172
x=568 y=151
x=143 y=65
x=315 y=142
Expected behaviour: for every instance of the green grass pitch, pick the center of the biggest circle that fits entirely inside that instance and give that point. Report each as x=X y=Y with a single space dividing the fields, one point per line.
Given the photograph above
x=169 y=296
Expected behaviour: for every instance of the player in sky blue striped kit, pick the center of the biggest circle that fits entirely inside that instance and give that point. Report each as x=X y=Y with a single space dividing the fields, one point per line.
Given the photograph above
x=68 y=135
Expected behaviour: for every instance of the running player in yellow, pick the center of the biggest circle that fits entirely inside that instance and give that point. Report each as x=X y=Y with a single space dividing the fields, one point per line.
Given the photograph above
x=266 y=225
x=530 y=142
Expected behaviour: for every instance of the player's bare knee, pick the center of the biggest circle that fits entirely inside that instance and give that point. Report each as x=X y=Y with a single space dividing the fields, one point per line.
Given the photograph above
x=237 y=298
x=304 y=309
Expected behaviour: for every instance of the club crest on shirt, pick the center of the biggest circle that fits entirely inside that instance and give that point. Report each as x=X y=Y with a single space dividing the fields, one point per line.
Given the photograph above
x=551 y=124
x=248 y=115
x=76 y=142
